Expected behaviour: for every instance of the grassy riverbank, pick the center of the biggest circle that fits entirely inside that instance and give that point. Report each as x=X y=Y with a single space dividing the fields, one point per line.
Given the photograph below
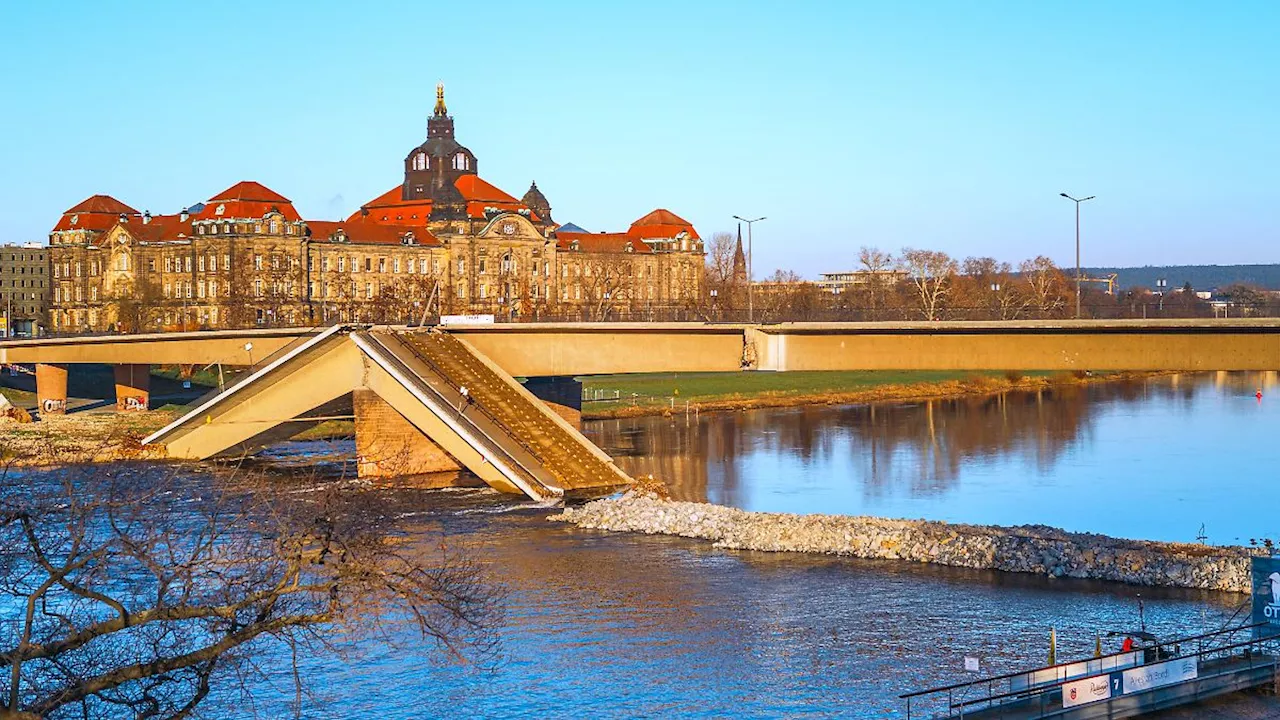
x=611 y=396
x=82 y=437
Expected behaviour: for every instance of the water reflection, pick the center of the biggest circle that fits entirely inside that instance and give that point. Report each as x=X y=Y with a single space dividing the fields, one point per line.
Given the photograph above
x=1117 y=457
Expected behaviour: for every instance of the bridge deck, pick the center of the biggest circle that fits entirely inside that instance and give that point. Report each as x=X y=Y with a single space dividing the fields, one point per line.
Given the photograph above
x=577 y=466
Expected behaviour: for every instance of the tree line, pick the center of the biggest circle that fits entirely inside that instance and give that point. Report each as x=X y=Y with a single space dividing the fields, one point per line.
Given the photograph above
x=923 y=284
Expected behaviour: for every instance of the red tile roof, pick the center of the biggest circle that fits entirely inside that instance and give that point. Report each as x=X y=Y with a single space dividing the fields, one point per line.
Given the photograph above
x=249 y=190
x=161 y=228
x=479 y=194
x=99 y=213
x=103 y=204
x=245 y=200
x=602 y=242
x=661 y=224
x=373 y=233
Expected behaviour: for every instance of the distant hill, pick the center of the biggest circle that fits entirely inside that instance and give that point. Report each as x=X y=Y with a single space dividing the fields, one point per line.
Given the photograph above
x=1201 y=277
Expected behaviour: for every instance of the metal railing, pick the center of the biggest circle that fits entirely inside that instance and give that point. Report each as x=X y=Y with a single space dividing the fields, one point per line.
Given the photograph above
x=1045 y=698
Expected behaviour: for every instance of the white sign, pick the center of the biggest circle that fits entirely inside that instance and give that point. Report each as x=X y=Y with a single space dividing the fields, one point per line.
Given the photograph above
x=466 y=319
x=970 y=664
x=1147 y=677
x=1086 y=691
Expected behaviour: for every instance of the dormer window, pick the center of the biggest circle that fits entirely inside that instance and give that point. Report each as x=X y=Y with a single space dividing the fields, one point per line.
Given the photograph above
x=461 y=161
x=340 y=236
x=220 y=209
x=420 y=161
x=629 y=247
x=408 y=239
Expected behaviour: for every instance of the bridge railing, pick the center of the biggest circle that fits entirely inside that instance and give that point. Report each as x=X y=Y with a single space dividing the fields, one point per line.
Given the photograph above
x=961 y=699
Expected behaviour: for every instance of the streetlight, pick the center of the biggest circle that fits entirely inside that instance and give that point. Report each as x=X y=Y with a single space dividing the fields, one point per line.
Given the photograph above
x=751 y=278
x=1077 y=202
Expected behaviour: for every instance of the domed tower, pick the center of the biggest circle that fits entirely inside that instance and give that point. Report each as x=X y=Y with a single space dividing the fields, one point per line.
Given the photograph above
x=439 y=161
x=537 y=202
x=448 y=203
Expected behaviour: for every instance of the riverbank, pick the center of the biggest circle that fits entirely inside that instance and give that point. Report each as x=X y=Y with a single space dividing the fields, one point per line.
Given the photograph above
x=84 y=437
x=644 y=395
x=1023 y=549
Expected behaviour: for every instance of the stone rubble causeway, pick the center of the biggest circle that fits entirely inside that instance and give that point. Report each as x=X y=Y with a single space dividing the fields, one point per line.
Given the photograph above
x=1026 y=548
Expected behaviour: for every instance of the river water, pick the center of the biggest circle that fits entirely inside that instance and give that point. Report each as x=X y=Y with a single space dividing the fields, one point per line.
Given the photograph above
x=615 y=625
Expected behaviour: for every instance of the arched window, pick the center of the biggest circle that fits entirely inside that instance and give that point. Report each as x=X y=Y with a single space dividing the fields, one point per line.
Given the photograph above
x=460 y=161
x=420 y=161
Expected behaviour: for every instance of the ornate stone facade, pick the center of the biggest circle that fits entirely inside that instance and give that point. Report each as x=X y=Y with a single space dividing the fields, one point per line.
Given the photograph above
x=443 y=241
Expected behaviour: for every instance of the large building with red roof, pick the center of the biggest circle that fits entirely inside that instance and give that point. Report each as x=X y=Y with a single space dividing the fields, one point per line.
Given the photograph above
x=443 y=241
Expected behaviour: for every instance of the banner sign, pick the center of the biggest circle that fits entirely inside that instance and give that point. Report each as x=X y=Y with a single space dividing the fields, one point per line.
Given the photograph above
x=466 y=319
x=1072 y=671
x=1086 y=691
x=1144 y=678
x=1266 y=595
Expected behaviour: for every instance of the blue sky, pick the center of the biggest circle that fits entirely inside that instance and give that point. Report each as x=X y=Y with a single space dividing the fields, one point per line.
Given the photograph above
x=944 y=125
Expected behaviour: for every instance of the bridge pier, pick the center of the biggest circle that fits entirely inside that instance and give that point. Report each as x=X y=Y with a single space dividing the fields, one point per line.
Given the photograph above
x=133 y=387
x=389 y=446
x=51 y=389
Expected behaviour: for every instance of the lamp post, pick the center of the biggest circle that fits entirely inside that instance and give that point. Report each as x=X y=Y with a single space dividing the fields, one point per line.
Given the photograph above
x=751 y=278
x=1077 y=202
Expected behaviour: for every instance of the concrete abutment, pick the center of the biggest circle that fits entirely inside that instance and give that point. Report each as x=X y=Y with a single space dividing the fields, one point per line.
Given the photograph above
x=51 y=388
x=133 y=387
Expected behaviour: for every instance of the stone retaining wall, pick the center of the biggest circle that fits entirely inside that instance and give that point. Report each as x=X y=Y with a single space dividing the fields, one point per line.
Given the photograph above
x=1027 y=548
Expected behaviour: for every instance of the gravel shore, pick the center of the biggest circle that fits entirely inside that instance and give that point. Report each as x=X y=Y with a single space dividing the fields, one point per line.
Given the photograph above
x=1026 y=548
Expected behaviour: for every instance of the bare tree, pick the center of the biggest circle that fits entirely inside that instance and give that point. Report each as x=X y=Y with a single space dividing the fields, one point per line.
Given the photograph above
x=1047 y=286
x=135 y=593
x=930 y=274
x=608 y=282
x=879 y=268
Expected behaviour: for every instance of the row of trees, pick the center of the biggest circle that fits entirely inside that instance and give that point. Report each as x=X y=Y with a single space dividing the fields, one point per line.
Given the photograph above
x=921 y=284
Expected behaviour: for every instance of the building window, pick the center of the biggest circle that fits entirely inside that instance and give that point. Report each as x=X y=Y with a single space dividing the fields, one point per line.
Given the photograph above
x=213 y=229
x=213 y=288
x=382 y=265
x=420 y=161
x=481 y=266
x=275 y=262
x=151 y=265
x=188 y=263
x=368 y=264
x=395 y=265
x=324 y=264
x=213 y=263
x=257 y=287
x=226 y=261
x=78 y=268
x=201 y=263
x=368 y=290
x=200 y=289
x=257 y=262
x=275 y=227
x=462 y=266
x=413 y=266
x=460 y=161
x=435 y=265
x=484 y=291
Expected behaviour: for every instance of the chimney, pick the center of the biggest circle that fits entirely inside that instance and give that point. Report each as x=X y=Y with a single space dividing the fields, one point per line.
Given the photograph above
x=184 y=215
x=146 y=217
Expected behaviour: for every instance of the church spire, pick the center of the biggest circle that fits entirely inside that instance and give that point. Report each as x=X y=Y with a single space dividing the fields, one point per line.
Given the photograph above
x=441 y=110
x=739 y=260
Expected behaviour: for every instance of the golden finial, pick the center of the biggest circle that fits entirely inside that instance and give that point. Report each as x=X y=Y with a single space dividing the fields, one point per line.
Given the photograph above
x=440 y=108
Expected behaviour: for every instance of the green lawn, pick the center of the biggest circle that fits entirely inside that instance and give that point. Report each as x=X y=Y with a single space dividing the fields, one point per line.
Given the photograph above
x=656 y=388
